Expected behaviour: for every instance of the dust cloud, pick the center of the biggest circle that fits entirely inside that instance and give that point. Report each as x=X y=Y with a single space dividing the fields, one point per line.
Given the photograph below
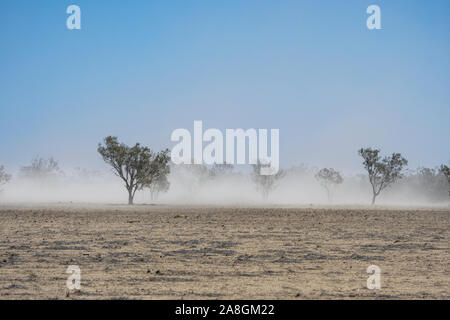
x=195 y=185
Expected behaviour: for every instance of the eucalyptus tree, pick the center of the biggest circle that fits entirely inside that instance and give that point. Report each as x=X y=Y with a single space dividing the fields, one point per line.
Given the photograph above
x=137 y=166
x=382 y=171
x=328 y=178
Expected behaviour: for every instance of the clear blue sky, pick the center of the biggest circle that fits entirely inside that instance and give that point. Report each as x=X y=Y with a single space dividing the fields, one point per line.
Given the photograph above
x=140 y=69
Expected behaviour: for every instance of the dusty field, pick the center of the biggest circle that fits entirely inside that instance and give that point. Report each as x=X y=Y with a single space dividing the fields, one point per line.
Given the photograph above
x=149 y=252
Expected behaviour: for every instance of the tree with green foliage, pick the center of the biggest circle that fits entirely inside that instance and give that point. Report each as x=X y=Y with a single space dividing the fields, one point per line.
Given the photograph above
x=137 y=166
x=328 y=178
x=382 y=171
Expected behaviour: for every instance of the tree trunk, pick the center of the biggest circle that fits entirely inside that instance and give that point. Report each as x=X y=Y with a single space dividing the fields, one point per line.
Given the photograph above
x=373 y=198
x=130 y=197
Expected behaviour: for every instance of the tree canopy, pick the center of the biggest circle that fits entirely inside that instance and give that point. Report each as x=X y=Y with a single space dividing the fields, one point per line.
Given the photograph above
x=137 y=166
x=382 y=171
x=328 y=177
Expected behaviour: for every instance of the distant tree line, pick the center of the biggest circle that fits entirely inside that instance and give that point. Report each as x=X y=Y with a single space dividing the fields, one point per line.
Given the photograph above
x=40 y=169
x=140 y=168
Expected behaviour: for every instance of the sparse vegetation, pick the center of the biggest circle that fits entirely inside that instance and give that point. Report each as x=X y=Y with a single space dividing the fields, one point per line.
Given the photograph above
x=40 y=169
x=265 y=183
x=328 y=178
x=382 y=171
x=142 y=169
x=157 y=182
x=137 y=166
x=157 y=186
x=4 y=177
x=445 y=170
x=430 y=183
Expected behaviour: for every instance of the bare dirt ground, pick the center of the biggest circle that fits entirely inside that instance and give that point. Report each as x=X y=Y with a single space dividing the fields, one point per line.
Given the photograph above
x=158 y=252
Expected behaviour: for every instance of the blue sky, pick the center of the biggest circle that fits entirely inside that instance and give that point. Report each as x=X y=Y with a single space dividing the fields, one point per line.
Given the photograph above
x=140 y=69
